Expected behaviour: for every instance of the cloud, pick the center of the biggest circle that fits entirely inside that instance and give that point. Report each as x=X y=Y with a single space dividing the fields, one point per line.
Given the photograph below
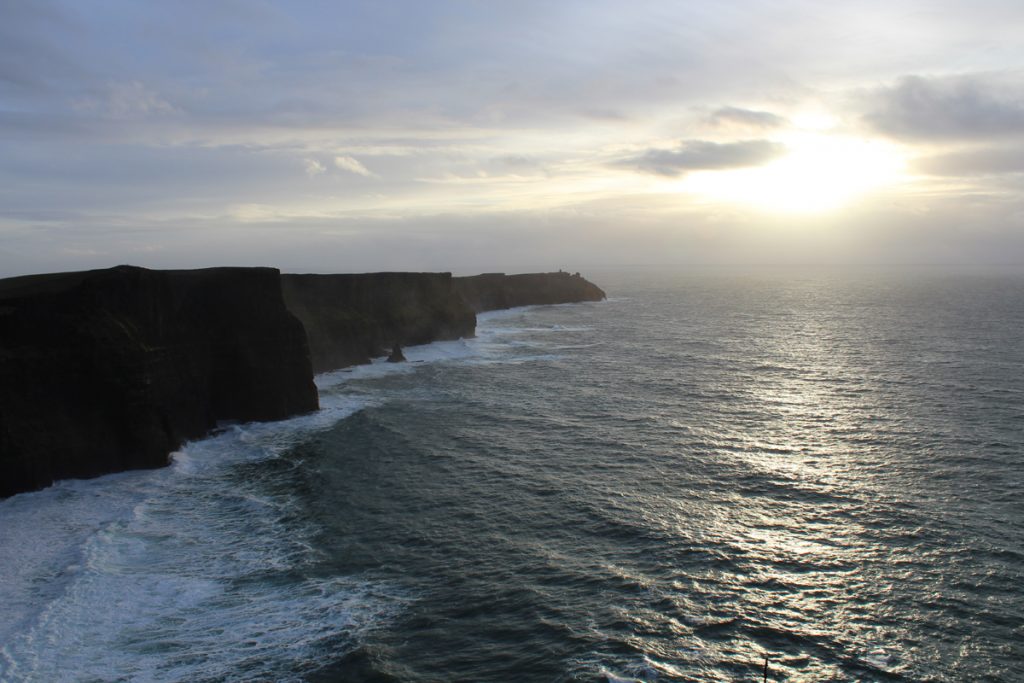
x=124 y=101
x=703 y=155
x=974 y=162
x=313 y=167
x=161 y=113
x=749 y=118
x=31 y=57
x=352 y=165
x=517 y=162
x=940 y=109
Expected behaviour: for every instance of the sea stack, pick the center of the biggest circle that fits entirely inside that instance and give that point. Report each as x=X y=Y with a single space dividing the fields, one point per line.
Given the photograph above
x=396 y=354
x=352 y=318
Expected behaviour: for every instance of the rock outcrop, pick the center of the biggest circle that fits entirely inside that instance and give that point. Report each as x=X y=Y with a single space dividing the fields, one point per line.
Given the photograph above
x=109 y=370
x=396 y=355
x=353 y=318
x=493 y=291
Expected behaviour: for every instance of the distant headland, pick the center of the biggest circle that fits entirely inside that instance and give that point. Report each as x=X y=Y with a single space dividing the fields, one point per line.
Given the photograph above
x=109 y=370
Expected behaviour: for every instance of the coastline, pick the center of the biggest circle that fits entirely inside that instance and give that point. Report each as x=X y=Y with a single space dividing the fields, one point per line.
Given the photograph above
x=112 y=370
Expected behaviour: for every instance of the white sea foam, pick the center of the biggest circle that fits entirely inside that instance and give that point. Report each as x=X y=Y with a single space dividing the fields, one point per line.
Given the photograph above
x=42 y=539
x=490 y=345
x=414 y=355
x=182 y=573
x=377 y=368
x=192 y=571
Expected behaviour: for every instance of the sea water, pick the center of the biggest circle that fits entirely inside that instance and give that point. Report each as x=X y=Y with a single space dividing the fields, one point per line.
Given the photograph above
x=707 y=470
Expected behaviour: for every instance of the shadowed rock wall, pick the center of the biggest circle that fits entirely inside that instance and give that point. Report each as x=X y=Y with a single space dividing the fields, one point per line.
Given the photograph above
x=353 y=318
x=108 y=370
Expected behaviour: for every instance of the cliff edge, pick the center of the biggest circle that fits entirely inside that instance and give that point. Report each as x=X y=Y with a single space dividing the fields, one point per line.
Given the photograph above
x=493 y=291
x=353 y=318
x=109 y=370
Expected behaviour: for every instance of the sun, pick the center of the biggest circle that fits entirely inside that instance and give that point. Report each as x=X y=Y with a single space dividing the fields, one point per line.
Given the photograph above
x=820 y=173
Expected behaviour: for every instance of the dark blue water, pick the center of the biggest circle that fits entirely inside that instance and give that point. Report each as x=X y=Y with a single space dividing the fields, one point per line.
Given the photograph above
x=702 y=472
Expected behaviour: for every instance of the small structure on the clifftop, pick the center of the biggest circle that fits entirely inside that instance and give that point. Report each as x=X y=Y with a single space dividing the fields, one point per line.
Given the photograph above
x=396 y=354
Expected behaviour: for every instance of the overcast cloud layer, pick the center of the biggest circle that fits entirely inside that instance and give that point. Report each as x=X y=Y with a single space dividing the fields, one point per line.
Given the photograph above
x=477 y=136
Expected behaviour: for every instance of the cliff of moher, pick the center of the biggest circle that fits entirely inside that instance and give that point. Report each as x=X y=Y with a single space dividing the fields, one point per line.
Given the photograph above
x=353 y=318
x=493 y=291
x=110 y=370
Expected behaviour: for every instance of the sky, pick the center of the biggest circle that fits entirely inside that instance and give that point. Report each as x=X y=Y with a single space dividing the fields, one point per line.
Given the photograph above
x=474 y=136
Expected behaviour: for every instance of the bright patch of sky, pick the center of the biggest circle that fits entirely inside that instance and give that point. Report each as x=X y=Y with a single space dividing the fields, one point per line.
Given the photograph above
x=469 y=136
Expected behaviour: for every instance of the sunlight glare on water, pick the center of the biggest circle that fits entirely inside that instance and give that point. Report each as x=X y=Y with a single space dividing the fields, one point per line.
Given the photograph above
x=704 y=471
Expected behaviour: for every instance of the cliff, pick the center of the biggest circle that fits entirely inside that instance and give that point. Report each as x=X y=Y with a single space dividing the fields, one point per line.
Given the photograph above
x=492 y=291
x=352 y=318
x=108 y=370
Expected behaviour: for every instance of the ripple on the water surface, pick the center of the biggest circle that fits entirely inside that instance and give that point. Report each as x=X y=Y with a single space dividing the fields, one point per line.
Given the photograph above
x=670 y=488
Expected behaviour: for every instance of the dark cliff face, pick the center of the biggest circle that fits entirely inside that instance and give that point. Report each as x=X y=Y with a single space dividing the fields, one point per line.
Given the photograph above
x=493 y=291
x=352 y=318
x=109 y=370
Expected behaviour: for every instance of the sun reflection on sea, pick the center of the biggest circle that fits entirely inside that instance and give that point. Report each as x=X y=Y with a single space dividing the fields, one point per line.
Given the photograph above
x=794 y=518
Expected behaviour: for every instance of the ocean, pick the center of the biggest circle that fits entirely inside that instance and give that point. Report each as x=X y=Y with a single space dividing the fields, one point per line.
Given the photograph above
x=708 y=471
